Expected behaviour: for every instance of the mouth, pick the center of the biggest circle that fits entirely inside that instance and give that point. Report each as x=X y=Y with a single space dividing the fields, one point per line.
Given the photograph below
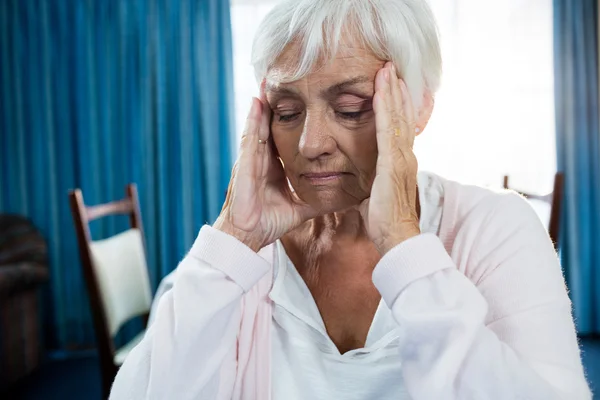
x=319 y=178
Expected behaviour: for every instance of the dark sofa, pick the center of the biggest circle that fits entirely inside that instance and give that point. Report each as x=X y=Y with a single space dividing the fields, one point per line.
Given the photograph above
x=23 y=268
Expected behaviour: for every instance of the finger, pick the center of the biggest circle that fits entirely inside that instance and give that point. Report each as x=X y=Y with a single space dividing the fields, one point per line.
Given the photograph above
x=273 y=164
x=249 y=165
x=409 y=112
x=396 y=91
x=402 y=122
x=381 y=106
x=249 y=140
x=265 y=126
x=381 y=81
x=401 y=110
x=391 y=71
x=273 y=167
x=229 y=191
x=398 y=118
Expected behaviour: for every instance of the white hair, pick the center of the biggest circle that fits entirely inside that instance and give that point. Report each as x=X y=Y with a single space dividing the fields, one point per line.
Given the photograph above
x=401 y=31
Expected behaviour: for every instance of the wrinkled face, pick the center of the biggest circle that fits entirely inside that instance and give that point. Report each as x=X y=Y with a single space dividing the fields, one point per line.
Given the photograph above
x=323 y=127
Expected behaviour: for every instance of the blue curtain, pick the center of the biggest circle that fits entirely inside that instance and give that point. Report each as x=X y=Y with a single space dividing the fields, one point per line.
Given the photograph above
x=578 y=153
x=100 y=93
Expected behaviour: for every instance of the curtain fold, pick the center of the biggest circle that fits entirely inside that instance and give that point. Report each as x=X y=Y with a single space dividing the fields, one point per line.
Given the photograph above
x=97 y=94
x=578 y=153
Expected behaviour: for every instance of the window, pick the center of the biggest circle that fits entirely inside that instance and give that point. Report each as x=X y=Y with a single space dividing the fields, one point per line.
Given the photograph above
x=245 y=17
x=494 y=113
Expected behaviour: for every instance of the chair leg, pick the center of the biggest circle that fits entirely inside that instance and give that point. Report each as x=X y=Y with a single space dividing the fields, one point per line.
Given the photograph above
x=109 y=372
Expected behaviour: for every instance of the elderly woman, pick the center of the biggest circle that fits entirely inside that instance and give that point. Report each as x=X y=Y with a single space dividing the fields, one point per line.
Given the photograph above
x=335 y=270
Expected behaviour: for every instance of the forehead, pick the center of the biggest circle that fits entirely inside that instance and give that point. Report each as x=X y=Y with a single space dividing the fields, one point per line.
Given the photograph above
x=351 y=59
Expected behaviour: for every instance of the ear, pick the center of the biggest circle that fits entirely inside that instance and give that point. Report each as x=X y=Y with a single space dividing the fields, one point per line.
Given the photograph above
x=425 y=111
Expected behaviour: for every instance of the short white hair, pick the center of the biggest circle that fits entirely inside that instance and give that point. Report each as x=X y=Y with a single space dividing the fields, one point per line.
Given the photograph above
x=401 y=31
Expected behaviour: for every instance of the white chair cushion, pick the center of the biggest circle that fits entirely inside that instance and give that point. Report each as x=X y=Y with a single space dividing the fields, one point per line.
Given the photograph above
x=543 y=209
x=121 y=354
x=122 y=274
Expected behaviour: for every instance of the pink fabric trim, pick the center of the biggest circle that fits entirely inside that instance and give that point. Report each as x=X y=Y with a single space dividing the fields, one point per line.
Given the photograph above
x=448 y=224
x=253 y=378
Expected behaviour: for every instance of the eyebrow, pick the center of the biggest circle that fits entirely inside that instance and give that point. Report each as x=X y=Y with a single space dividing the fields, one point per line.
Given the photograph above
x=344 y=86
x=329 y=92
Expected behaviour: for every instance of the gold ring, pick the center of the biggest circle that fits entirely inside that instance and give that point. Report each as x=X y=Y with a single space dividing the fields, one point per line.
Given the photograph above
x=397 y=132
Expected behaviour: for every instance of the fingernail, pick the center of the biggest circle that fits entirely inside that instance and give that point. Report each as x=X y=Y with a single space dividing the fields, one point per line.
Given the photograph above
x=386 y=75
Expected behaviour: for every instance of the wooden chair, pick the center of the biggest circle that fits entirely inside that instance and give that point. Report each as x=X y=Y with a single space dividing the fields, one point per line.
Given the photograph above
x=116 y=276
x=554 y=199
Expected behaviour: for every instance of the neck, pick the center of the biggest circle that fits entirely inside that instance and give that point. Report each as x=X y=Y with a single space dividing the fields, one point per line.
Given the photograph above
x=338 y=240
x=331 y=235
x=326 y=233
x=343 y=225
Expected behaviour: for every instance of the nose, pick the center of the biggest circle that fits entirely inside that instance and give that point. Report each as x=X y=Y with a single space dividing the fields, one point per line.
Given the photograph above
x=315 y=141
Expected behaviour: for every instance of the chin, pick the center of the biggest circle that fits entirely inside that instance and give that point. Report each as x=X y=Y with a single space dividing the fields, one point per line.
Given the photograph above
x=330 y=201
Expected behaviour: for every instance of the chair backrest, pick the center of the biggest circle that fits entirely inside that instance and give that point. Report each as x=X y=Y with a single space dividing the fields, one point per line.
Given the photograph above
x=115 y=272
x=554 y=199
x=121 y=272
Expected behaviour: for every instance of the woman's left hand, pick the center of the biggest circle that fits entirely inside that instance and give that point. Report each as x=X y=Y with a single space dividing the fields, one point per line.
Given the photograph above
x=390 y=213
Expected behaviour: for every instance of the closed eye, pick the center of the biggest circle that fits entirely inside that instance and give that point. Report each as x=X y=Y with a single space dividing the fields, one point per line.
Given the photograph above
x=351 y=115
x=288 y=117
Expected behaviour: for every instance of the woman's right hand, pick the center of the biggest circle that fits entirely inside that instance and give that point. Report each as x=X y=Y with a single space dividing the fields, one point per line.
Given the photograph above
x=260 y=207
